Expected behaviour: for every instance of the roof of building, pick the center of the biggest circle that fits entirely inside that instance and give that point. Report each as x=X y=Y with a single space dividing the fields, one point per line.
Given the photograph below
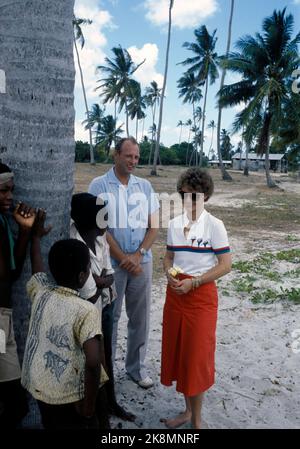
x=254 y=156
x=217 y=162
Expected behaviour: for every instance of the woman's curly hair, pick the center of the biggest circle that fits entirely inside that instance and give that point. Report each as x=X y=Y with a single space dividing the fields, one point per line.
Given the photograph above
x=198 y=180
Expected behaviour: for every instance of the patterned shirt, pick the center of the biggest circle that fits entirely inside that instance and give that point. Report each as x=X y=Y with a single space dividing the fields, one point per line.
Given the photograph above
x=60 y=323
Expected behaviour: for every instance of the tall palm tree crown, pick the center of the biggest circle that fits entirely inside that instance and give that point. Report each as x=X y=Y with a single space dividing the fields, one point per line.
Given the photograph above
x=266 y=63
x=119 y=71
x=204 y=65
x=78 y=36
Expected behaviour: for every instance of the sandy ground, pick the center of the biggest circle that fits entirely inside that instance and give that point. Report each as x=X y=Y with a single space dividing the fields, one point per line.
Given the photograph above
x=257 y=373
x=257 y=370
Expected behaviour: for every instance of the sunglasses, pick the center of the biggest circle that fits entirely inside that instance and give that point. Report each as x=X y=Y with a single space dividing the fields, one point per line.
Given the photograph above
x=194 y=195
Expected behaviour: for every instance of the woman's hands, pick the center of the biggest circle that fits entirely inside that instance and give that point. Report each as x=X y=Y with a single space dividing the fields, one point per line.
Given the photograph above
x=182 y=287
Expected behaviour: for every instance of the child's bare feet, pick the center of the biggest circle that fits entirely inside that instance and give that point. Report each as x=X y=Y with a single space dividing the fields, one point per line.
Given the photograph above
x=178 y=421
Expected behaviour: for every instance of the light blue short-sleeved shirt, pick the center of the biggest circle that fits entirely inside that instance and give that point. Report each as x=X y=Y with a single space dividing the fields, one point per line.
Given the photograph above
x=128 y=208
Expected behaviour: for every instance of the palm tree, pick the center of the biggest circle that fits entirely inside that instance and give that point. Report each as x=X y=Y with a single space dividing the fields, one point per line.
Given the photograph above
x=119 y=71
x=136 y=105
x=78 y=36
x=190 y=92
x=212 y=126
x=156 y=152
x=109 y=92
x=204 y=65
x=180 y=123
x=266 y=64
x=225 y=175
x=108 y=132
x=95 y=119
x=152 y=131
x=152 y=98
x=226 y=145
x=188 y=123
x=37 y=130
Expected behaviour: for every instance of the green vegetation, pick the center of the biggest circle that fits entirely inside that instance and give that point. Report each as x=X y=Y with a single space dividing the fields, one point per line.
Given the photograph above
x=264 y=266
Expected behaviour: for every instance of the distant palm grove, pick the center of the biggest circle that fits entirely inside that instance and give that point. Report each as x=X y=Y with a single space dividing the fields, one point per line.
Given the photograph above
x=265 y=65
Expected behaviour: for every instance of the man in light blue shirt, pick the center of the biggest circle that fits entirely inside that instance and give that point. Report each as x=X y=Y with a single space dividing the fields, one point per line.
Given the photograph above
x=133 y=226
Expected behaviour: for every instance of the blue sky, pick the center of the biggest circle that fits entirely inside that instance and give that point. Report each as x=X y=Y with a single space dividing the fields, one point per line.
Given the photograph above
x=141 y=27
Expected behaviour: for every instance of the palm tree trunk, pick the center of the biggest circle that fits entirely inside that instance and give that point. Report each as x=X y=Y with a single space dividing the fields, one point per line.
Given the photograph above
x=126 y=114
x=153 y=171
x=212 y=138
x=270 y=181
x=188 y=147
x=143 y=127
x=36 y=132
x=203 y=122
x=115 y=106
x=246 y=168
x=225 y=175
x=180 y=134
x=92 y=159
x=195 y=128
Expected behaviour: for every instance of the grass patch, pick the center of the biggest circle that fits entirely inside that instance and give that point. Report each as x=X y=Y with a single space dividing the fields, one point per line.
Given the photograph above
x=293 y=273
x=244 y=284
x=290 y=255
x=271 y=295
x=263 y=263
x=292 y=238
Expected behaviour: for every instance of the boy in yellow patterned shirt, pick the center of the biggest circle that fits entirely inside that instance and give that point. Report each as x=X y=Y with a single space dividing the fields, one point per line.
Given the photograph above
x=62 y=360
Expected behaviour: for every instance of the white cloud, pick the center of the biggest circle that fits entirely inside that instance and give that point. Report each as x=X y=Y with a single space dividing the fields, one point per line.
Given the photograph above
x=147 y=72
x=185 y=13
x=92 y=53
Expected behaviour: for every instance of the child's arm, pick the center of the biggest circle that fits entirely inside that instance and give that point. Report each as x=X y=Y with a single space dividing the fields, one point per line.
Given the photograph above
x=92 y=351
x=24 y=216
x=104 y=281
x=38 y=231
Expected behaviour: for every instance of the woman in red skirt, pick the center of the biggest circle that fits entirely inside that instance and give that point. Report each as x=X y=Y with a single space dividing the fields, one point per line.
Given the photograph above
x=197 y=254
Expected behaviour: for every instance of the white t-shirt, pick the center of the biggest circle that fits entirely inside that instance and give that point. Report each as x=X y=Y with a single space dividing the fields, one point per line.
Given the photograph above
x=99 y=261
x=196 y=253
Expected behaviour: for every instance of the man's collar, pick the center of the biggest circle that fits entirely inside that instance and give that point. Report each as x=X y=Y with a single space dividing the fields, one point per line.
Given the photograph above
x=115 y=180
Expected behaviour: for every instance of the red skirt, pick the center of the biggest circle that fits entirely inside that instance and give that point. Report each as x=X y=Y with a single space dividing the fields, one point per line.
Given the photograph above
x=189 y=339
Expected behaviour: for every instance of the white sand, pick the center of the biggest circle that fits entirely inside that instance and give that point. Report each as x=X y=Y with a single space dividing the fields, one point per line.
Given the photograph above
x=257 y=373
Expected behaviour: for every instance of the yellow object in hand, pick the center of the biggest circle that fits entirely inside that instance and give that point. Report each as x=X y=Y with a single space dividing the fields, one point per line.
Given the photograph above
x=174 y=271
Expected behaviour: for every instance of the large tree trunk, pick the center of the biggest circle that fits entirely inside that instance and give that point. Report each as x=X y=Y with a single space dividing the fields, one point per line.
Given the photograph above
x=270 y=181
x=225 y=175
x=37 y=121
x=92 y=158
x=156 y=152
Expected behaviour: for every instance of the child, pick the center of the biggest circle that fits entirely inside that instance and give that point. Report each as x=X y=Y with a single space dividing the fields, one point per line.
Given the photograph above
x=84 y=228
x=61 y=367
x=13 y=404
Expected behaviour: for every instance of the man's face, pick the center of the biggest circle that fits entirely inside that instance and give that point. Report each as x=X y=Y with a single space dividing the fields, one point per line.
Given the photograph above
x=6 y=196
x=127 y=159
